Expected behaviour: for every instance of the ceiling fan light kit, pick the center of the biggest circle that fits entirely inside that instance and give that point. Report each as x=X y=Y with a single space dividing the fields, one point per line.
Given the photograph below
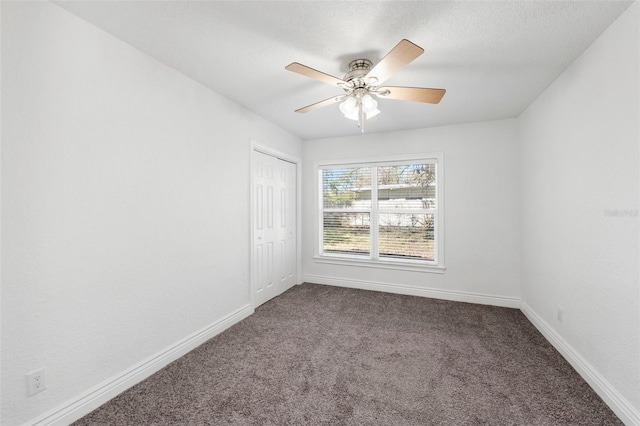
x=363 y=80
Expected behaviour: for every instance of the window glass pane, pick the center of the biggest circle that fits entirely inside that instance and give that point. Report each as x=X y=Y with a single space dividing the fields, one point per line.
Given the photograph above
x=348 y=188
x=406 y=236
x=346 y=233
x=410 y=186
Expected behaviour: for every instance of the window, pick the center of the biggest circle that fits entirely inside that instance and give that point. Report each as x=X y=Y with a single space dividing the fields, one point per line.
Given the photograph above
x=382 y=212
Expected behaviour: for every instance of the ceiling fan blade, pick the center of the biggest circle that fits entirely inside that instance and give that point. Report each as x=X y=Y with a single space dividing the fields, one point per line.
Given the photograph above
x=398 y=57
x=326 y=102
x=416 y=94
x=318 y=75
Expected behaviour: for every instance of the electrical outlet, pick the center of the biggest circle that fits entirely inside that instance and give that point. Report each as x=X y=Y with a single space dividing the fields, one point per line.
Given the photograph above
x=36 y=382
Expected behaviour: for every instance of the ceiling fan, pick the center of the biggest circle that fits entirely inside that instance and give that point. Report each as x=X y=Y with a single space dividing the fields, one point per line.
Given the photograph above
x=362 y=81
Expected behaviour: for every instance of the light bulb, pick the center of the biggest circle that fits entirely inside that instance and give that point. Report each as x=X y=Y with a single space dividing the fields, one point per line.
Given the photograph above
x=353 y=115
x=368 y=103
x=348 y=106
x=373 y=113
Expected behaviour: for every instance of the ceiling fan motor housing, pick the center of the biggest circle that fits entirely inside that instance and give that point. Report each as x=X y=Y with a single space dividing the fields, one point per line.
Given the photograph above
x=358 y=70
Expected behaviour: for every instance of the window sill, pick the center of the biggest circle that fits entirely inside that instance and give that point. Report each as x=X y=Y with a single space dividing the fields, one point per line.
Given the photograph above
x=365 y=263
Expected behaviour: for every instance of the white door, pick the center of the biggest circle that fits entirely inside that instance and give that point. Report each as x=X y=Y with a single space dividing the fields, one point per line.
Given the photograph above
x=274 y=226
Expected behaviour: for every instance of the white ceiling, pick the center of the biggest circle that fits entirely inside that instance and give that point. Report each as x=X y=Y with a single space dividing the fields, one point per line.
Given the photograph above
x=494 y=58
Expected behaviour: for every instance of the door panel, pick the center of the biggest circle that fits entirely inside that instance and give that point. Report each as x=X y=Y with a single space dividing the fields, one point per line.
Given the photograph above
x=288 y=225
x=274 y=226
x=258 y=266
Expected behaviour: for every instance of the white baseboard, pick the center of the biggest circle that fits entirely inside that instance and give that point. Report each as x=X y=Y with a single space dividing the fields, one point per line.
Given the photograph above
x=457 y=296
x=83 y=404
x=618 y=404
x=88 y=401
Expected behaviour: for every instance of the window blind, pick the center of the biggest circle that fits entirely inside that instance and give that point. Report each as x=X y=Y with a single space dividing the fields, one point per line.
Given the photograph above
x=380 y=211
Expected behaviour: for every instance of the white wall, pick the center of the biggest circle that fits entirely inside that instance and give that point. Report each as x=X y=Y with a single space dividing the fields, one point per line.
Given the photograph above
x=480 y=210
x=579 y=157
x=125 y=206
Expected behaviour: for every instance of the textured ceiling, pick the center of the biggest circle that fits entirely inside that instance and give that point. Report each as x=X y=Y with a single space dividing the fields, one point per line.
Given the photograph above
x=494 y=58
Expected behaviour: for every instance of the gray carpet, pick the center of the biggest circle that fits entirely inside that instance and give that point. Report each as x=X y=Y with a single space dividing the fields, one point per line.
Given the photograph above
x=320 y=355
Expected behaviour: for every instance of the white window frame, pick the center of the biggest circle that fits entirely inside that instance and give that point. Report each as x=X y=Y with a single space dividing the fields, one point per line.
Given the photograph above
x=435 y=266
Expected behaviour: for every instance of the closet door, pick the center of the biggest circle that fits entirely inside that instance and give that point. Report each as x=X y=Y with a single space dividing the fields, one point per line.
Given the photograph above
x=287 y=226
x=274 y=226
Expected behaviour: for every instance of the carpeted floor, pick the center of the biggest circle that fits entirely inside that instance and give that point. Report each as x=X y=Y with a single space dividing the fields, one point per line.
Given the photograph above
x=320 y=355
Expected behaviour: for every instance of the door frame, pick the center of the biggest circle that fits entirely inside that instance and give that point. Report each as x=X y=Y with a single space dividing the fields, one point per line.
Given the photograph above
x=263 y=149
